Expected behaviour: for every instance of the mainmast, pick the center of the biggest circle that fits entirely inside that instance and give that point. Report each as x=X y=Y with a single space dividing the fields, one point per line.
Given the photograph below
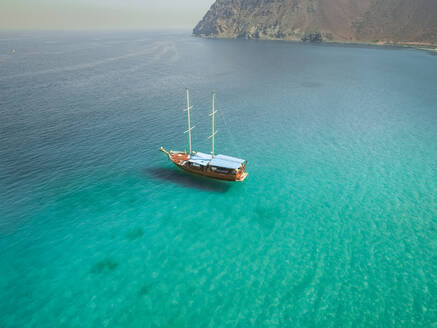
x=189 y=119
x=213 y=125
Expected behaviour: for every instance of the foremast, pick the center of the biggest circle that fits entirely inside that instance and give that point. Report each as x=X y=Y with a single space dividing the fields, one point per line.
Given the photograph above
x=189 y=119
x=213 y=123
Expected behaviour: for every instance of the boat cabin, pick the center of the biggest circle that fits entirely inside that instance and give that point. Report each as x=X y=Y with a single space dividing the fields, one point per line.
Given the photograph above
x=220 y=164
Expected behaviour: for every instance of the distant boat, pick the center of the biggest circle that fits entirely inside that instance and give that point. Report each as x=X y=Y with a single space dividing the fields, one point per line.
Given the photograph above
x=213 y=166
x=13 y=51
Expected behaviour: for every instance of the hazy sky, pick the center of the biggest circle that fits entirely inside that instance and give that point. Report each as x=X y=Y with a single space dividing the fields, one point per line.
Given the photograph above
x=86 y=14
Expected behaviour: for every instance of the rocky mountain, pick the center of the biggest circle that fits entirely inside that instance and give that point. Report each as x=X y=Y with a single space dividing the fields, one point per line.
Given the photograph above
x=373 y=21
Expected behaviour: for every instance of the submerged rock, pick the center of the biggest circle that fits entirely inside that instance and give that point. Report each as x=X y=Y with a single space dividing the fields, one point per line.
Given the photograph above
x=104 y=265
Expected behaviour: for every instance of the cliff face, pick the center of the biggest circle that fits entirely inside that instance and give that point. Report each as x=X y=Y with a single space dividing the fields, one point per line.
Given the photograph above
x=393 y=21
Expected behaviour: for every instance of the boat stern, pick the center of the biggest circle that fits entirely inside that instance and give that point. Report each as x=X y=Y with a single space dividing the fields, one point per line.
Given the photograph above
x=242 y=177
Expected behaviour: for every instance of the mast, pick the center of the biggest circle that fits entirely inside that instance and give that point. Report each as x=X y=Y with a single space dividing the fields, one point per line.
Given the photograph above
x=213 y=123
x=189 y=119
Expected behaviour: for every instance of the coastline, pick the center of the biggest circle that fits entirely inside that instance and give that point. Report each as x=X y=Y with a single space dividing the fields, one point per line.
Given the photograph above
x=411 y=45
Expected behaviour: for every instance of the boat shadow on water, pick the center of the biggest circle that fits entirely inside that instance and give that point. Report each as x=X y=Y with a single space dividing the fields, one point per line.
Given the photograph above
x=187 y=180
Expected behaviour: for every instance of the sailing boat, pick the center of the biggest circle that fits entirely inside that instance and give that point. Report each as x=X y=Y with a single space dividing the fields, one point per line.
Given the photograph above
x=213 y=166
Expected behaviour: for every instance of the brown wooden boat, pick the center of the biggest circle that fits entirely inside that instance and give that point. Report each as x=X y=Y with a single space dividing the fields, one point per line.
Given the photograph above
x=220 y=167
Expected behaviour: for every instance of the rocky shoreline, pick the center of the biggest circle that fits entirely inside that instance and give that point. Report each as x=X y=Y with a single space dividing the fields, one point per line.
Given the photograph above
x=418 y=46
x=374 y=22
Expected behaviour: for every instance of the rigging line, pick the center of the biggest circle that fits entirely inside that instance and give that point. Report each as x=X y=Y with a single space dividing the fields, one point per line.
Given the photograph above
x=228 y=130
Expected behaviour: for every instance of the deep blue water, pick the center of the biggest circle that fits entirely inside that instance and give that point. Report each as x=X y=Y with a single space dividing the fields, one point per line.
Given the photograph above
x=336 y=225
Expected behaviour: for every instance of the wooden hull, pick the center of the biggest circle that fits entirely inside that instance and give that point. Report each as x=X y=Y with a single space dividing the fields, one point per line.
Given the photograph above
x=214 y=175
x=180 y=160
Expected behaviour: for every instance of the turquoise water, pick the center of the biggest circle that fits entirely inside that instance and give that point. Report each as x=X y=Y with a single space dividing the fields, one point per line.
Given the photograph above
x=334 y=227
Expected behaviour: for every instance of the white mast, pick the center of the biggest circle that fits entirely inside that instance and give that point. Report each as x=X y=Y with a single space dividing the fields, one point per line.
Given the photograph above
x=189 y=119
x=213 y=127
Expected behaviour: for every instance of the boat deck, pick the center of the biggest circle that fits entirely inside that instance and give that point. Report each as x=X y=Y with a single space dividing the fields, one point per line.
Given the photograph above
x=179 y=158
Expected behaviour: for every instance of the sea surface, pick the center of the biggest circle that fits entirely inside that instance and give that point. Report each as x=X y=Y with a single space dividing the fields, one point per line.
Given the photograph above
x=335 y=226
